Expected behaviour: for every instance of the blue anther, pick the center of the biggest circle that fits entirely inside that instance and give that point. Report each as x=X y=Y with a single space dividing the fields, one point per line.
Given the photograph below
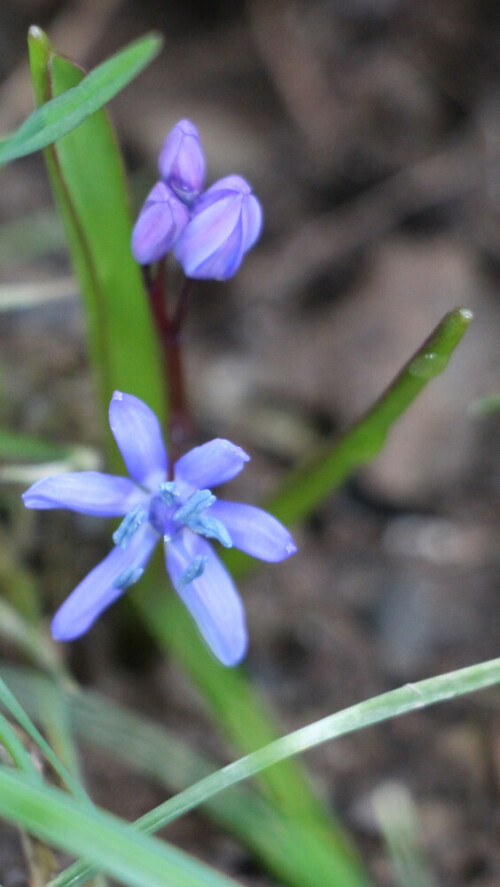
x=212 y=528
x=168 y=492
x=195 y=505
x=129 y=525
x=128 y=577
x=194 y=571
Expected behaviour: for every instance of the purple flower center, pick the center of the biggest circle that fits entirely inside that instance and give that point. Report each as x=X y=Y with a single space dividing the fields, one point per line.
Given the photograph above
x=169 y=515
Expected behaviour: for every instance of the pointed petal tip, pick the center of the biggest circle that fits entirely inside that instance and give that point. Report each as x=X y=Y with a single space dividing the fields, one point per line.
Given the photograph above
x=233 y=657
x=61 y=632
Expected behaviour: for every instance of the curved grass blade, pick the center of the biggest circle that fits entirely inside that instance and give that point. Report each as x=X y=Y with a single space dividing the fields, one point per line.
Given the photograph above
x=65 y=112
x=309 y=486
x=8 y=700
x=282 y=845
x=411 y=697
x=106 y=841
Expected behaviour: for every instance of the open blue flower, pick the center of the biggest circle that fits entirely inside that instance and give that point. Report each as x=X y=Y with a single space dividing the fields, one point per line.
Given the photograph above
x=182 y=512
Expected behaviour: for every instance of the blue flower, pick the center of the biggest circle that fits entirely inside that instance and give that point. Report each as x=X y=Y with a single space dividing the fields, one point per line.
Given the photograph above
x=160 y=221
x=182 y=512
x=182 y=162
x=225 y=223
x=210 y=231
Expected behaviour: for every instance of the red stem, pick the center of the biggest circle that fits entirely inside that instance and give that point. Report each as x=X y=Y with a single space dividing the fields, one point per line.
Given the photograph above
x=169 y=326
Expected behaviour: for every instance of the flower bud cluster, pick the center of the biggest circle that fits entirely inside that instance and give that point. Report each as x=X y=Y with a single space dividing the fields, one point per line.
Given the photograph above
x=209 y=231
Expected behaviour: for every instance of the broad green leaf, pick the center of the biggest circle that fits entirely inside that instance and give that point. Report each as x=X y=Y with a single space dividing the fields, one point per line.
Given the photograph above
x=87 y=178
x=395 y=703
x=106 y=841
x=159 y=754
x=65 y=112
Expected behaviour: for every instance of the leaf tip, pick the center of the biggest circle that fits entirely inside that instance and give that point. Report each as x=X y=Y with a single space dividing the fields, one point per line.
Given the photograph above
x=36 y=35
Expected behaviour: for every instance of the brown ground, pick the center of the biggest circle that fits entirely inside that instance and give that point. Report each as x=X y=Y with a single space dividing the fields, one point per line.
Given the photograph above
x=370 y=130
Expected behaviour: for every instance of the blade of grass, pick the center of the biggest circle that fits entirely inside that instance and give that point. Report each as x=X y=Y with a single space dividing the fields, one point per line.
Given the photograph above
x=307 y=487
x=411 y=697
x=59 y=116
x=108 y=842
x=159 y=754
x=9 y=701
x=15 y=748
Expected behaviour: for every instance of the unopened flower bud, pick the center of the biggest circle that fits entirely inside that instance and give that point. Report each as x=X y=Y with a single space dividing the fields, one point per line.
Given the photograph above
x=160 y=222
x=181 y=161
x=225 y=223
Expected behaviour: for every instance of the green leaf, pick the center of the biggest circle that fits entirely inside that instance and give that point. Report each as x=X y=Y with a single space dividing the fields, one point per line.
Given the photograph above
x=15 y=748
x=15 y=709
x=312 y=483
x=103 y=839
x=65 y=112
x=282 y=845
x=87 y=177
x=410 y=698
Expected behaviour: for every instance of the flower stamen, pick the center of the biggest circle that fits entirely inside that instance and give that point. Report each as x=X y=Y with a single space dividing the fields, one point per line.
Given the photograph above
x=211 y=528
x=128 y=577
x=194 y=571
x=129 y=525
x=195 y=506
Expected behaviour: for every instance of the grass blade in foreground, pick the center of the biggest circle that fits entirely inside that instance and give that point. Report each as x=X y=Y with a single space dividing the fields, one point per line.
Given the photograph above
x=106 y=841
x=16 y=711
x=161 y=755
x=87 y=178
x=395 y=703
x=59 y=116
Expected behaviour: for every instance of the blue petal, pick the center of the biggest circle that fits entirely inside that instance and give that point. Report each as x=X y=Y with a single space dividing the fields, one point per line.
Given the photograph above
x=254 y=531
x=211 y=464
x=182 y=162
x=211 y=599
x=138 y=435
x=212 y=231
x=160 y=221
x=88 y=492
x=97 y=591
x=252 y=221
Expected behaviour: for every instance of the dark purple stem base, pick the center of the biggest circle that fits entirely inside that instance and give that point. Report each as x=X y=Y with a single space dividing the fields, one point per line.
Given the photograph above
x=169 y=320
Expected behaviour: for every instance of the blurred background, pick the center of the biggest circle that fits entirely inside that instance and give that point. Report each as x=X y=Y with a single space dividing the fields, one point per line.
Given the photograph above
x=370 y=130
